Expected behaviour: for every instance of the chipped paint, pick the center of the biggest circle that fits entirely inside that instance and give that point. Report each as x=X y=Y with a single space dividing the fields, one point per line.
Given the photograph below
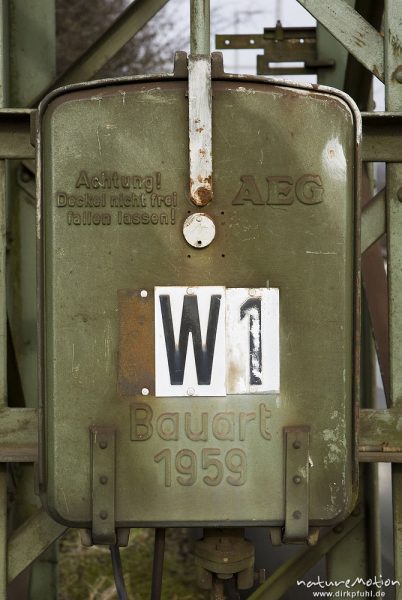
x=319 y=252
x=123 y=96
x=248 y=91
x=200 y=130
x=99 y=143
x=334 y=160
x=335 y=441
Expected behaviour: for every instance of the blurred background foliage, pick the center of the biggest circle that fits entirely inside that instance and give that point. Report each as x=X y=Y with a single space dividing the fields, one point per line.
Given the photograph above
x=86 y=573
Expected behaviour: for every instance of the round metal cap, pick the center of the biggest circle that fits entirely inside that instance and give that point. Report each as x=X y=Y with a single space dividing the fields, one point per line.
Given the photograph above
x=199 y=230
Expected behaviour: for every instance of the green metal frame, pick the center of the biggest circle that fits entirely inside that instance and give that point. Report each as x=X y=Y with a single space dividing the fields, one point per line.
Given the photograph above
x=343 y=26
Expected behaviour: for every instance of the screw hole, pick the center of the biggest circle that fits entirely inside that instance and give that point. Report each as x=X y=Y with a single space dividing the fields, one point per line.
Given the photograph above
x=199 y=243
x=223 y=255
x=222 y=212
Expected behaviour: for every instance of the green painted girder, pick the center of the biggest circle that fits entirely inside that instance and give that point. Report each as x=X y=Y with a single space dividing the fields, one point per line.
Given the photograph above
x=352 y=30
x=30 y=540
x=287 y=574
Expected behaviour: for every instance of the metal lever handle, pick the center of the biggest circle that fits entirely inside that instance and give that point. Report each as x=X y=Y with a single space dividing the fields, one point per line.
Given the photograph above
x=200 y=104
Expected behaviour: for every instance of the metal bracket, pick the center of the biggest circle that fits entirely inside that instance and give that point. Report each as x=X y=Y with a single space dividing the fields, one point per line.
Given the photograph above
x=280 y=45
x=103 y=485
x=297 y=483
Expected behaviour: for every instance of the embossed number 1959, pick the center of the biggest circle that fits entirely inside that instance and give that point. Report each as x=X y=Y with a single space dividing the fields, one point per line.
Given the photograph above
x=232 y=467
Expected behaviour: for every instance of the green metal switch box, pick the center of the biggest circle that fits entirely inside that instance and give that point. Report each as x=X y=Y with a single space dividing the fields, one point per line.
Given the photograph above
x=193 y=382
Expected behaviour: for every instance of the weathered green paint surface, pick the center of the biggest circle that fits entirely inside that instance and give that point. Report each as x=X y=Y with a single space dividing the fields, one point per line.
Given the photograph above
x=295 y=229
x=4 y=92
x=352 y=30
x=30 y=540
x=32 y=51
x=393 y=101
x=19 y=435
x=380 y=430
x=373 y=221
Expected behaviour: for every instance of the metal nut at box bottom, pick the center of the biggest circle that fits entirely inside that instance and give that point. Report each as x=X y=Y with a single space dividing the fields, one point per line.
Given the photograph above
x=225 y=553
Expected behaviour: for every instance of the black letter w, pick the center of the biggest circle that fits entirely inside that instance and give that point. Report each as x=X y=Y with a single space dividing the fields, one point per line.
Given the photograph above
x=190 y=322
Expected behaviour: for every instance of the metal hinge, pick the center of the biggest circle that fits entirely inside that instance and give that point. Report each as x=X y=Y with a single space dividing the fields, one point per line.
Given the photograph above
x=296 y=483
x=103 y=485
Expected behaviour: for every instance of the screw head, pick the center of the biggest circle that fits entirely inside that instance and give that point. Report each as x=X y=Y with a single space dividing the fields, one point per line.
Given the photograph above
x=103 y=479
x=296 y=445
x=103 y=515
x=297 y=514
x=297 y=479
x=399 y=194
x=103 y=444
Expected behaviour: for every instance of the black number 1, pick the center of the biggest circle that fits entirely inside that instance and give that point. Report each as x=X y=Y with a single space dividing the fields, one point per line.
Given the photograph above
x=252 y=307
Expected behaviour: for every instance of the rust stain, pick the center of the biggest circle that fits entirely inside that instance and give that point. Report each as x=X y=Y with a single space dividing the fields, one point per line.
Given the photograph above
x=359 y=42
x=203 y=195
x=136 y=343
x=376 y=72
x=200 y=129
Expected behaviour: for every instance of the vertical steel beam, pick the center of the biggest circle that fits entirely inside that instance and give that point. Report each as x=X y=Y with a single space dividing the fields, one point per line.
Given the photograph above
x=393 y=102
x=3 y=532
x=32 y=52
x=32 y=68
x=329 y=48
x=363 y=544
x=3 y=317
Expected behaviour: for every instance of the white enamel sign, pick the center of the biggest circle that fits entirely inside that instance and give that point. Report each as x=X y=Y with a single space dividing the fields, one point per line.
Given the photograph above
x=214 y=341
x=252 y=340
